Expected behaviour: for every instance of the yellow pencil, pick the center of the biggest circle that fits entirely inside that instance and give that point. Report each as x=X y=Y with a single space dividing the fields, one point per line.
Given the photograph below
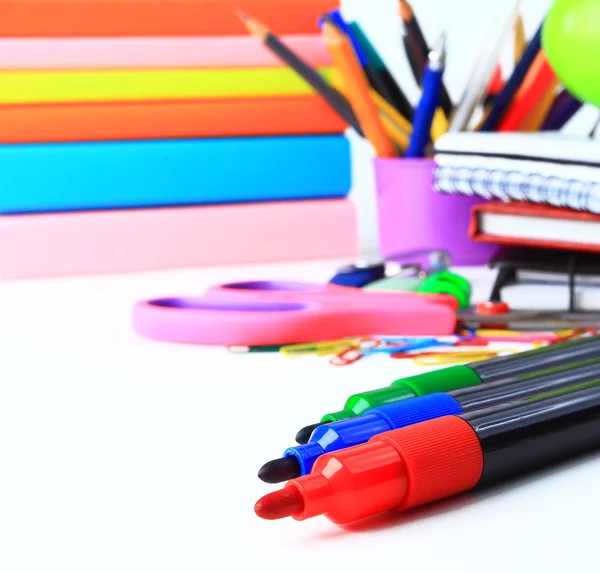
x=520 y=39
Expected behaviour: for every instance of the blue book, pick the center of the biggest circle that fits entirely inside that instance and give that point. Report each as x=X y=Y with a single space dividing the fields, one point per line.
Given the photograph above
x=136 y=174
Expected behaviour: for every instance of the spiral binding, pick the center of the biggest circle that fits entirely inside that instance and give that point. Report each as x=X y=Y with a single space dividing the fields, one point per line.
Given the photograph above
x=519 y=186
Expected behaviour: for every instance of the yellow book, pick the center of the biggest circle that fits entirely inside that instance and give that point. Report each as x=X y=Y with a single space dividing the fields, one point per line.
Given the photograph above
x=138 y=85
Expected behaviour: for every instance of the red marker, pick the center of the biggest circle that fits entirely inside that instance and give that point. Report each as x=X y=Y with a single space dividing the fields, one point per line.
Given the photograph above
x=439 y=458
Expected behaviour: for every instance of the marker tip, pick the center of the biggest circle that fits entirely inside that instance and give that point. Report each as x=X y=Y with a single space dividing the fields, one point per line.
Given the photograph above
x=279 y=504
x=281 y=469
x=303 y=436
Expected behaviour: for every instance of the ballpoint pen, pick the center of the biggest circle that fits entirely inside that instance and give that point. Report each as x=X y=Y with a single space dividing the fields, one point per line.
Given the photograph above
x=432 y=90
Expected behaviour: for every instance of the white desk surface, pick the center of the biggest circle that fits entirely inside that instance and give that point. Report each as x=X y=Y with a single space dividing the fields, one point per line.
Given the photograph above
x=118 y=454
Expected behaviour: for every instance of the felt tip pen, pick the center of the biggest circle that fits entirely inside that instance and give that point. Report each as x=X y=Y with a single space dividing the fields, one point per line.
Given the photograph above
x=440 y=458
x=299 y=460
x=496 y=369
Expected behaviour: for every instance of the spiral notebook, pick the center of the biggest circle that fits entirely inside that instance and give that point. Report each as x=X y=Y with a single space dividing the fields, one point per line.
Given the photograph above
x=543 y=168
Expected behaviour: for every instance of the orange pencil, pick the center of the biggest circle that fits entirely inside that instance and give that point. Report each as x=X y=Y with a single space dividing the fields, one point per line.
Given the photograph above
x=536 y=118
x=357 y=90
x=539 y=80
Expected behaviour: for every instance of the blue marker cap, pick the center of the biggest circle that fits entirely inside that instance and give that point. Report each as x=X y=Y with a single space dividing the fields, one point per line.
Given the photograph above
x=339 y=21
x=354 y=431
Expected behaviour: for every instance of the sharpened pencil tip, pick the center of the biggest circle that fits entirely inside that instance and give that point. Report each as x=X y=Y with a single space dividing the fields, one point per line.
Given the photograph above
x=281 y=469
x=253 y=26
x=304 y=434
x=279 y=504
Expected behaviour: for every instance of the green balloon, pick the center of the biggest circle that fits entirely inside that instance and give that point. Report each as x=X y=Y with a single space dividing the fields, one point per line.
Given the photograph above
x=571 y=41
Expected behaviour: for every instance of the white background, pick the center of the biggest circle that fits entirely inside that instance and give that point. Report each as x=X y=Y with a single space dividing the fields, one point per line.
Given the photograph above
x=122 y=455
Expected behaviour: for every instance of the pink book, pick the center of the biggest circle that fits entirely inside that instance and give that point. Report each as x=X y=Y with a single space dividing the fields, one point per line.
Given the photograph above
x=102 y=242
x=140 y=53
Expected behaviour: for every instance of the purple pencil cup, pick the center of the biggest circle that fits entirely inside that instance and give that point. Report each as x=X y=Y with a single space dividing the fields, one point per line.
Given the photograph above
x=413 y=216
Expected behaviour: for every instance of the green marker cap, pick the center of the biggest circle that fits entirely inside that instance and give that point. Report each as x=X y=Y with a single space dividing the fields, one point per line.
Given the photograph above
x=360 y=403
x=444 y=380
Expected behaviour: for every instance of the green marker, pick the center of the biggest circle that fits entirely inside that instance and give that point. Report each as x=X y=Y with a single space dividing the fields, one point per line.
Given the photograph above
x=500 y=369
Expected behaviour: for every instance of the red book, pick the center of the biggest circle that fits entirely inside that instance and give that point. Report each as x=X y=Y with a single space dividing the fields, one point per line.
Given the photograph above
x=94 y=18
x=530 y=225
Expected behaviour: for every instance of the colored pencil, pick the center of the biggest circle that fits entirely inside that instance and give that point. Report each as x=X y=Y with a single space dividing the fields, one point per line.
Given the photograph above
x=376 y=77
x=399 y=99
x=417 y=50
x=540 y=79
x=534 y=121
x=397 y=127
x=565 y=106
x=520 y=39
x=432 y=90
x=339 y=104
x=358 y=89
x=505 y=97
x=482 y=73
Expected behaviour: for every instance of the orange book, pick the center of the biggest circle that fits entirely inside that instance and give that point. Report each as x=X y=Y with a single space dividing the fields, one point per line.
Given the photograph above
x=94 y=18
x=168 y=120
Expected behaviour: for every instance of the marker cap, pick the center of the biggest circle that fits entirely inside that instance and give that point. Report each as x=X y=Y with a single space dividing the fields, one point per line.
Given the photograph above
x=392 y=471
x=444 y=380
x=359 y=403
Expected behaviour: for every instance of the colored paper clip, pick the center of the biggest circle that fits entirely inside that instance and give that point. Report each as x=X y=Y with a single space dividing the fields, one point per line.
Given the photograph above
x=324 y=348
x=492 y=335
x=394 y=349
x=433 y=359
x=347 y=357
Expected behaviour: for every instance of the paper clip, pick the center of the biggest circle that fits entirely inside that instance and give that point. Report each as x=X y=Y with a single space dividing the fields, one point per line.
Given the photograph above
x=324 y=348
x=347 y=357
x=425 y=343
x=458 y=357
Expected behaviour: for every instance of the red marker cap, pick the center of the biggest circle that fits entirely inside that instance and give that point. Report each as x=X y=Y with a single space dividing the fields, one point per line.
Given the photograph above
x=393 y=471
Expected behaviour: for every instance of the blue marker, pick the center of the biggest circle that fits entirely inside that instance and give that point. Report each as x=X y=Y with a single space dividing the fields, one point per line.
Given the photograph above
x=299 y=460
x=430 y=99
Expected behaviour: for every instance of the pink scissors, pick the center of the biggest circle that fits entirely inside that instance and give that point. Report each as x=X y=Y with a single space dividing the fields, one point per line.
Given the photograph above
x=277 y=312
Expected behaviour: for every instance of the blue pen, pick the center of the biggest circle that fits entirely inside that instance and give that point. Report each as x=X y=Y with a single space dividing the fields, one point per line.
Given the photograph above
x=430 y=99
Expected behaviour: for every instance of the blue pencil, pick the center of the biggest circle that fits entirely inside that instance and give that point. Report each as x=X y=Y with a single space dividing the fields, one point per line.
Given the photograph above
x=505 y=97
x=430 y=99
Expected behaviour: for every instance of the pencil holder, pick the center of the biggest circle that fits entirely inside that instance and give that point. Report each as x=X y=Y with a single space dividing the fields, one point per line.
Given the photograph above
x=413 y=216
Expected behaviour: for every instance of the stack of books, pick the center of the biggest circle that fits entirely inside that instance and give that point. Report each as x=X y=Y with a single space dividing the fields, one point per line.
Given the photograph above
x=542 y=189
x=149 y=134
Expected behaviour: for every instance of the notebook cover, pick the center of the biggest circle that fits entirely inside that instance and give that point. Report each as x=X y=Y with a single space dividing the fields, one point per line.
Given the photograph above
x=152 y=239
x=295 y=115
x=139 y=85
x=52 y=18
x=130 y=174
x=132 y=53
x=530 y=210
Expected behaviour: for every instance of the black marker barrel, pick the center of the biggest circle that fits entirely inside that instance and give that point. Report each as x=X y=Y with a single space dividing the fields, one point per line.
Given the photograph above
x=517 y=439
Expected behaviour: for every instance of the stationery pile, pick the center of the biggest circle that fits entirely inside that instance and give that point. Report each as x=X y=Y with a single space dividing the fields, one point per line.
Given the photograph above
x=155 y=134
x=547 y=182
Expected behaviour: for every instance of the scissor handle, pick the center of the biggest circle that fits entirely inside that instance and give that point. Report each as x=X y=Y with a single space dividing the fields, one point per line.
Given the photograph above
x=201 y=320
x=291 y=290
